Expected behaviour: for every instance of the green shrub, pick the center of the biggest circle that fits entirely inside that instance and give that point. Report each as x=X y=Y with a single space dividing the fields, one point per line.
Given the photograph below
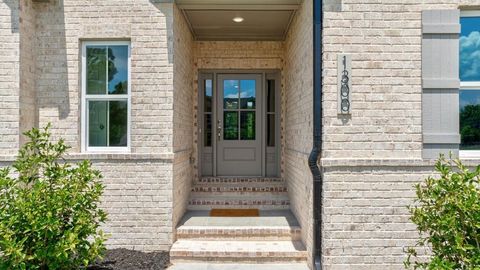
x=49 y=215
x=447 y=214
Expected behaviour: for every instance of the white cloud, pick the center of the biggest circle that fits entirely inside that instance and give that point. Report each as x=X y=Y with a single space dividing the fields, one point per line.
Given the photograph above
x=470 y=56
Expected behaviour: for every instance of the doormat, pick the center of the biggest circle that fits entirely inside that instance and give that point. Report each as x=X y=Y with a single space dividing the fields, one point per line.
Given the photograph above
x=234 y=213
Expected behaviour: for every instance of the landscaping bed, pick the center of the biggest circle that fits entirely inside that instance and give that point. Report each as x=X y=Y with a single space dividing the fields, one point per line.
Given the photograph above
x=124 y=259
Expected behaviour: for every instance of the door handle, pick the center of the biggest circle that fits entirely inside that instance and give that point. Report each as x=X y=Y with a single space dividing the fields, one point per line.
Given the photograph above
x=219 y=130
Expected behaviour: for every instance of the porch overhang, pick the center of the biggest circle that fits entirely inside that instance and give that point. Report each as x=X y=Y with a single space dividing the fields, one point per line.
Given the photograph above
x=260 y=19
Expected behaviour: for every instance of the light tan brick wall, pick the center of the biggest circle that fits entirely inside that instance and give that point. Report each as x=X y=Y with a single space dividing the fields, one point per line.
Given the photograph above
x=182 y=114
x=138 y=200
x=384 y=38
x=373 y=158
x=28 y=109
x=139 y=186
x=298 y=116
x=9 y=76
x=62 y=25
x=366 y=221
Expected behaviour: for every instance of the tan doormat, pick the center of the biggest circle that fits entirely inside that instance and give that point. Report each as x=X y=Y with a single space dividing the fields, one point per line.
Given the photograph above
x=234 y=213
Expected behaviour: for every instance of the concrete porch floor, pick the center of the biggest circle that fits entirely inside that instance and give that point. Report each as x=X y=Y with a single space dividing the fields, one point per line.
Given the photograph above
x=271 y=218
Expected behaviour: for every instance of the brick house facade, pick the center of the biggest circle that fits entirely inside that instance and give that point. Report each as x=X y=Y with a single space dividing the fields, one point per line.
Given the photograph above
x=370 y=160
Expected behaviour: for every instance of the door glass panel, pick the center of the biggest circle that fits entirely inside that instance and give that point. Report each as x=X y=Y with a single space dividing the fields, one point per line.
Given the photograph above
x=207 y=140
x=208 y=96
x=97 y=123
x=230 y=120
x=270 y=96
x=118 y=70
x=96 y=70
x=117 y=130
x=270 y=130
x=247 y=94
x=247 y=125
x=230 y=94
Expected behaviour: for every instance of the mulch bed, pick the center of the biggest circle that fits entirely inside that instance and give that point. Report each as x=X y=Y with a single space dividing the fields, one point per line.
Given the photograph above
x=124 y=259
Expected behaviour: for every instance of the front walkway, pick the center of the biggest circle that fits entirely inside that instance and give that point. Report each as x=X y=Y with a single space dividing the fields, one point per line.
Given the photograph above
x=208 y=266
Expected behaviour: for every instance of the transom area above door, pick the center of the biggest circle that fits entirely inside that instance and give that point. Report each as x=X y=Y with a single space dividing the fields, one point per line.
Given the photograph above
x=239 y=124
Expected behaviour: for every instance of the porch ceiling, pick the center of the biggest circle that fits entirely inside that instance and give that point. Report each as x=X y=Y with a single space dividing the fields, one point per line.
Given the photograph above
x=262 y=19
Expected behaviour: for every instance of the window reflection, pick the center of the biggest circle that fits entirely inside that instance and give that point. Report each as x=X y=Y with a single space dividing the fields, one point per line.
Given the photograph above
x=117 y=70
x=470 y=49
x=107 y=65
x=470 y=119
x=230 y=120
x=96 y=70
x=208 y=95
x=247 y=94
x=230 y=94
x=207 y=141
x=247 y=125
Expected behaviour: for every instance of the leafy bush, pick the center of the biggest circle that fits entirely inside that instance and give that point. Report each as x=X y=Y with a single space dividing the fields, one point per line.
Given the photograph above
x=447 y=214
x=49 y=215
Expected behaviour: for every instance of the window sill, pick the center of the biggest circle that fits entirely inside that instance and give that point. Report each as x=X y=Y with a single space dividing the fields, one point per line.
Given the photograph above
x=469 y=154
x=167 y=157
x=119 y=156
x=108 y=150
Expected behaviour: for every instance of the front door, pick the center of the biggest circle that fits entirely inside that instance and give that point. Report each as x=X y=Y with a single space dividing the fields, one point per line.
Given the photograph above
x=239 y=125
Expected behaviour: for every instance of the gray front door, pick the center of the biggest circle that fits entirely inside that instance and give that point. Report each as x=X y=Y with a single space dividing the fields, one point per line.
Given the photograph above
x=239 y=125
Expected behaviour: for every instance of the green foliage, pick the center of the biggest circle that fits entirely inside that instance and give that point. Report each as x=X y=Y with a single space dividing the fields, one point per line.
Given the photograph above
x=447 y=214
x=49 y=215
x=470 y=127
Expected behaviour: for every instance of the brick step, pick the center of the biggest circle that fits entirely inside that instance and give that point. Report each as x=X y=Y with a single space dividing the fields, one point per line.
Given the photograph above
x=237 y=251
x=238 y=189
x=261 y=205
x=239 y=180
x=269 y=225
x=240 y=233
x=263 y=201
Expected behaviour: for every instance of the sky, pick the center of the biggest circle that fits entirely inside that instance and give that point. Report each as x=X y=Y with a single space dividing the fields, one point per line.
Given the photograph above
x=470 y=49
x=470 y=58
x=121 y=63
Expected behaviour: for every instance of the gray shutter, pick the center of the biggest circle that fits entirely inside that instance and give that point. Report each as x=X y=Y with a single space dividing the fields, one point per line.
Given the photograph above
x=440 y=82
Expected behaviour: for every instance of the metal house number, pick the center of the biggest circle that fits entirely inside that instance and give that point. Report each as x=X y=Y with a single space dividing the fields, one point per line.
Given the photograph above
x=344 y=83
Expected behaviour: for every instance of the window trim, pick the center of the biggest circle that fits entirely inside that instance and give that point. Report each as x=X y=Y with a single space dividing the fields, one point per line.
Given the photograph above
x=84 y=100
x=469 y=85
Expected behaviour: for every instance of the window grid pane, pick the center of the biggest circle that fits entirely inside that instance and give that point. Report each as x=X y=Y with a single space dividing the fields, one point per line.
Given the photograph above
x=208 y=95
x=247 y=126
x=117 y=68
x=231 y=123
x=470 y=119
x=469 y=99
x=98 y=123
x=117 y=123
x=108 y=123
x=96 y=67
x=469 y=49
x=207 y=134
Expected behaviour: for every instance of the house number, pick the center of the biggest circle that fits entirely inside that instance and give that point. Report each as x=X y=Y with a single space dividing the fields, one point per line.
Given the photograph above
x=344 y=83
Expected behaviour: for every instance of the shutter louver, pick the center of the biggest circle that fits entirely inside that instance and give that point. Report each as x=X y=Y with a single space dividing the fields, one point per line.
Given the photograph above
x=440 y=82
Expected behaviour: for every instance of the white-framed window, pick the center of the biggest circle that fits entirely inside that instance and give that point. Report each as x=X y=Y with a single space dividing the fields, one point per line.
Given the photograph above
x=106 y=90
x=470 y=84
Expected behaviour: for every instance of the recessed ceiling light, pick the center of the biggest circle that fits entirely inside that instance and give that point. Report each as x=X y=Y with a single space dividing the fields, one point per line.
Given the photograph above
x=238 y=19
